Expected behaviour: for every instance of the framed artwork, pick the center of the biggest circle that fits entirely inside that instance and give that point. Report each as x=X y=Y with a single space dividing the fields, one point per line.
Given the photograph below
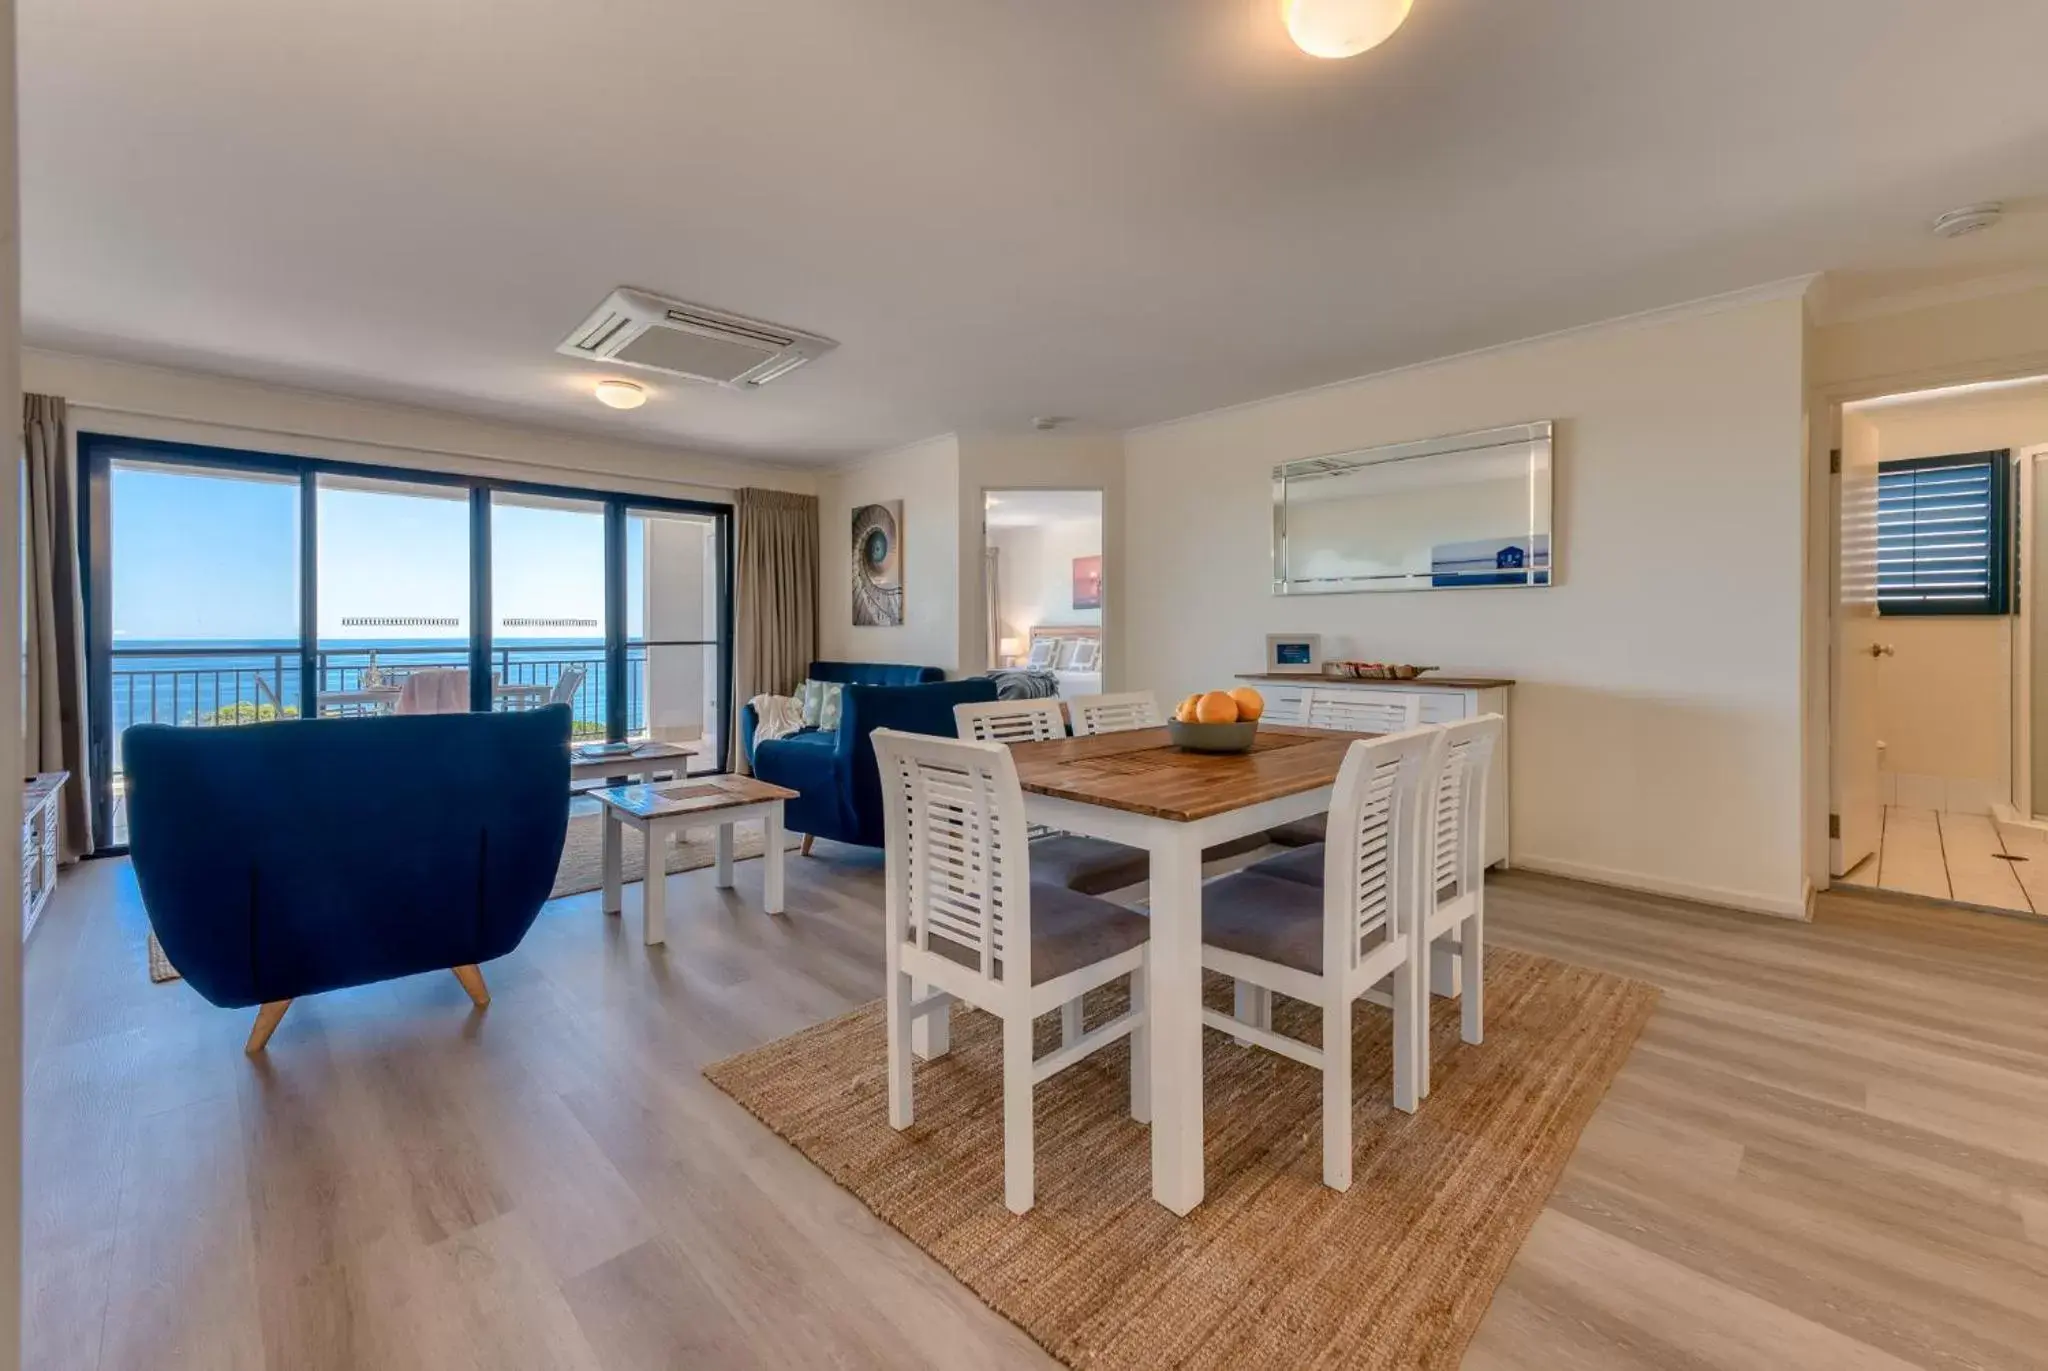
x=1088 y=582
x=878 y=565
x=1294 y=654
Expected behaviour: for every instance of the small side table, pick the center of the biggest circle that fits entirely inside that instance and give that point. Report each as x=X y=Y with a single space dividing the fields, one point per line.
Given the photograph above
x=664 y=811
x=641 y=764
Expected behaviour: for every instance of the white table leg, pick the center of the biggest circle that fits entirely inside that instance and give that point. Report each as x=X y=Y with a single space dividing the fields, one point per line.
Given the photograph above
x=614 y=892
x=1174 y=1001
x=771 y=857
x=654 y=888
x=724 y=881
x=931 y=1035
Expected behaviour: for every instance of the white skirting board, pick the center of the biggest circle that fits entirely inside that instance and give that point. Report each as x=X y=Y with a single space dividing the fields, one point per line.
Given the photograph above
x=1749 y=901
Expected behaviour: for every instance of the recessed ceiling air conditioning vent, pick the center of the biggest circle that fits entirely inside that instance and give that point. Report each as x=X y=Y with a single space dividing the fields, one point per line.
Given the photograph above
x=636 y=329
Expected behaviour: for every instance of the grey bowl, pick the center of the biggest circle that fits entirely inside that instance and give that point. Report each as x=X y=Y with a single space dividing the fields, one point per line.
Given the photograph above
x=1213 y=737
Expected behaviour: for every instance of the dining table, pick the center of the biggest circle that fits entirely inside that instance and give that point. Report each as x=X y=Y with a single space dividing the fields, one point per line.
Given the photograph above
x=1138 y=789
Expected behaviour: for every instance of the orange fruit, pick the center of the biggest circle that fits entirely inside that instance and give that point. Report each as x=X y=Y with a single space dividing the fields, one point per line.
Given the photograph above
x=1216 y=708
x=1250 y=704
x=1186 y=712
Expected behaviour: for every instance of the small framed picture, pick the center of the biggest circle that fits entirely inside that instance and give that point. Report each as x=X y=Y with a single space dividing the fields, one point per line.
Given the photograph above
x=1294 y=654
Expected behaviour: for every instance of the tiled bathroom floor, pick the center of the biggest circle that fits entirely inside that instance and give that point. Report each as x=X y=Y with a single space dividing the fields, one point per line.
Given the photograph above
x=1958 y=857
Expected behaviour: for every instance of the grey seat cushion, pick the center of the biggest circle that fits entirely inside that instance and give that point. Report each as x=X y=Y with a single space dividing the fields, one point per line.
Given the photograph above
x=1089 y=866
x=1068 y=931
x=1096 y=866
x=1314 y=829
x=1267 y=918
x=1304 y=866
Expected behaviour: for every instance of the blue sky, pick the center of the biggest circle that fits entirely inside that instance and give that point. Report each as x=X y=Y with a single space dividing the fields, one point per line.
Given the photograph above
x=205 y=556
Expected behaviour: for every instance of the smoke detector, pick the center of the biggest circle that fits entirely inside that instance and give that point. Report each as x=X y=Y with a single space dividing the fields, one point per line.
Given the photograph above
x=635 y=329
x=1968 y=219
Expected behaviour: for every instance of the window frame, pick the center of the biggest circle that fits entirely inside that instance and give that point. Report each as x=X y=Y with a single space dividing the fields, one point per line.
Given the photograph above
x=2001 y=598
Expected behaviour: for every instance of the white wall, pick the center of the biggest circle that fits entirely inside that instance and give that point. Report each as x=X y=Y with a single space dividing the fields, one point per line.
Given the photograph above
x=1658 y=716
x=926 y=478
x=10 y=719
x=181 y=406
x=1037 y=572
x=1945 y=695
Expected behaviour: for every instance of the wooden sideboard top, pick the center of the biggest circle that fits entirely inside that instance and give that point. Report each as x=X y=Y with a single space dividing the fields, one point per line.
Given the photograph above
x=1419 y=683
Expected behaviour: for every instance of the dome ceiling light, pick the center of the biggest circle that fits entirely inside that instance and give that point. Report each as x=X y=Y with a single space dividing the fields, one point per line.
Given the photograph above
x=620 y=394
x=1342 y=28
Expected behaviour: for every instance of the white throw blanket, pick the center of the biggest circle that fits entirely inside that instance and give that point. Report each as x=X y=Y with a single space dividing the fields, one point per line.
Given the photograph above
x=776 y=716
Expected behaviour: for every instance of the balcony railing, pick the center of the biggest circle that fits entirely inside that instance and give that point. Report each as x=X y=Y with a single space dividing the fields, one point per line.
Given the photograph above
x=213 y=687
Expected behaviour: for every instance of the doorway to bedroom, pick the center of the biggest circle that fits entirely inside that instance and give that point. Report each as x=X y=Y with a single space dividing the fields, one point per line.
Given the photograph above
x=1044 y=586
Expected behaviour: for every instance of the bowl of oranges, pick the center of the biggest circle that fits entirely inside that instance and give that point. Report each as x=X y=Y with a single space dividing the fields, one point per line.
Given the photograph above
x=1217 y=721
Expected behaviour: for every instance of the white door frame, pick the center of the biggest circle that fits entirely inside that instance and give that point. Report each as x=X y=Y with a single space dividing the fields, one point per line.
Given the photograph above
x=1824 y=405
x=2023 y=638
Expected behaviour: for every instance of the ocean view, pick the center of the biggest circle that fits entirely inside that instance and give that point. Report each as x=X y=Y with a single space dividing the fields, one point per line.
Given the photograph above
x=201 y=682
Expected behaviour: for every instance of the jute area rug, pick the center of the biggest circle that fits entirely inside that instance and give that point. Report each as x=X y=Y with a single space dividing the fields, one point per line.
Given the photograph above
x=1273 y=1270
x=582 y=866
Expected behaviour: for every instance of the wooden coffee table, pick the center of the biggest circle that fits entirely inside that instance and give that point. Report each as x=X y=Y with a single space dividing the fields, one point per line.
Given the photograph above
x=664 y=811
x=642 y=763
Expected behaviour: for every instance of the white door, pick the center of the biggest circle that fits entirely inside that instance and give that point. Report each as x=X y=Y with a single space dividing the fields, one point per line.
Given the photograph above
x=1856 y=814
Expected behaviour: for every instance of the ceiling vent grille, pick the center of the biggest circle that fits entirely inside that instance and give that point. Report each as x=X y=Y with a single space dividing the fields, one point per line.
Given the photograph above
x=646 y=331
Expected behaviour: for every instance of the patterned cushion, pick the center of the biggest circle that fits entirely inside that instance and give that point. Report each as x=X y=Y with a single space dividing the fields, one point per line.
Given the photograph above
x=821 y=702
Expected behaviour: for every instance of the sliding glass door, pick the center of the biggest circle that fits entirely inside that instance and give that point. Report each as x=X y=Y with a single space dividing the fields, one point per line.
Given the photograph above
x=199 y=622
x=393 y=589
x=227 y=588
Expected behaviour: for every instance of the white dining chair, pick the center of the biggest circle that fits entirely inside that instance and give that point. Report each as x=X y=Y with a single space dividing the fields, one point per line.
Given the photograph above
x=1114 y=713
x=964 y=919
x=1329 y=945
x=1361 y=711
x=1011 y=721
x=1456 y=901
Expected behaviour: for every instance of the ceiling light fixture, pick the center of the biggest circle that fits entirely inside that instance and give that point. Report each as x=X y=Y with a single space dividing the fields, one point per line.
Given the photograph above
x=1968 y=219
x=1342 y=28
x=621 y=394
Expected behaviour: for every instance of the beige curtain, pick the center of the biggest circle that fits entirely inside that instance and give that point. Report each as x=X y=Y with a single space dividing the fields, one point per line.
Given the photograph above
x=775 y=596
x=54 y=705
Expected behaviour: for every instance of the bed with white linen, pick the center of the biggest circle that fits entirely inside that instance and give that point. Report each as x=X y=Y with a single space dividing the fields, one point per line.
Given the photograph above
x=1072 y=653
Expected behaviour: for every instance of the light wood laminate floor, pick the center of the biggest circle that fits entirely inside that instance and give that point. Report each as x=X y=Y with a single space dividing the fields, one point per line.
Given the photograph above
x=1830 y=1149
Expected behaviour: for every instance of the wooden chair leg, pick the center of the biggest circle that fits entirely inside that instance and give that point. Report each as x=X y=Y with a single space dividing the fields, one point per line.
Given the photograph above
x=805 y=850
x=267 y=1020
x=473 y=981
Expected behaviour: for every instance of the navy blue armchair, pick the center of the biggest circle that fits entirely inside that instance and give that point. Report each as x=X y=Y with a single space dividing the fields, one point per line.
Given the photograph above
x=846 y=673
x=284 y=859
x=839 y=789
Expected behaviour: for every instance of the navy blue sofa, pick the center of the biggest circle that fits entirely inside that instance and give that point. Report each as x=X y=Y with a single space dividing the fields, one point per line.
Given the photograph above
x=284 y=859
x=839 y=789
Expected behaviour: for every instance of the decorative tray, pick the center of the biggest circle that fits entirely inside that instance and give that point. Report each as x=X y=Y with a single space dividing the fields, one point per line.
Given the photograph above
x=1377 y=671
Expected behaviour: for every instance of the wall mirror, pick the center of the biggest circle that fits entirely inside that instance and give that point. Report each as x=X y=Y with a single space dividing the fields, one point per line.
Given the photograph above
x=1440 y=514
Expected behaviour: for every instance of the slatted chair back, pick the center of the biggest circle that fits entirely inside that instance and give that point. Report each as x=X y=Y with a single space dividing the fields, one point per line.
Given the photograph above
x=1115 y=713
x=958 y=873
x=1373 y=865
x=1459 y=806
x=1362 y=711
x=1011 y=721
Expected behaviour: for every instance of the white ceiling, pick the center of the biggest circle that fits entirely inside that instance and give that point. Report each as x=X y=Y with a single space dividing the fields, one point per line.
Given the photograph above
x=1118 y=210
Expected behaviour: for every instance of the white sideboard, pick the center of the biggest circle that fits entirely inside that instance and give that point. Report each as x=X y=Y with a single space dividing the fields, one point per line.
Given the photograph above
x=1445 y=699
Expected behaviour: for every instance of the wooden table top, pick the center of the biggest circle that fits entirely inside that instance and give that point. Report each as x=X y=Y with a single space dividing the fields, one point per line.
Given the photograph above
x=641 y=752
x=698 y=795
x=1142 y=772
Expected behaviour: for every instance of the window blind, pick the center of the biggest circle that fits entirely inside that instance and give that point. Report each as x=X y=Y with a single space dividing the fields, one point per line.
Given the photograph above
x=1943 y=535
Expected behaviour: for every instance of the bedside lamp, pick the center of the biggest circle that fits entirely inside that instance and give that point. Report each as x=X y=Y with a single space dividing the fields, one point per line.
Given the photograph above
x=1010 y=649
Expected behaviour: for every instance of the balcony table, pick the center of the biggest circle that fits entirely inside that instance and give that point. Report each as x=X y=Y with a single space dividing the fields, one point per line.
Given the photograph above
x=1136 y=788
